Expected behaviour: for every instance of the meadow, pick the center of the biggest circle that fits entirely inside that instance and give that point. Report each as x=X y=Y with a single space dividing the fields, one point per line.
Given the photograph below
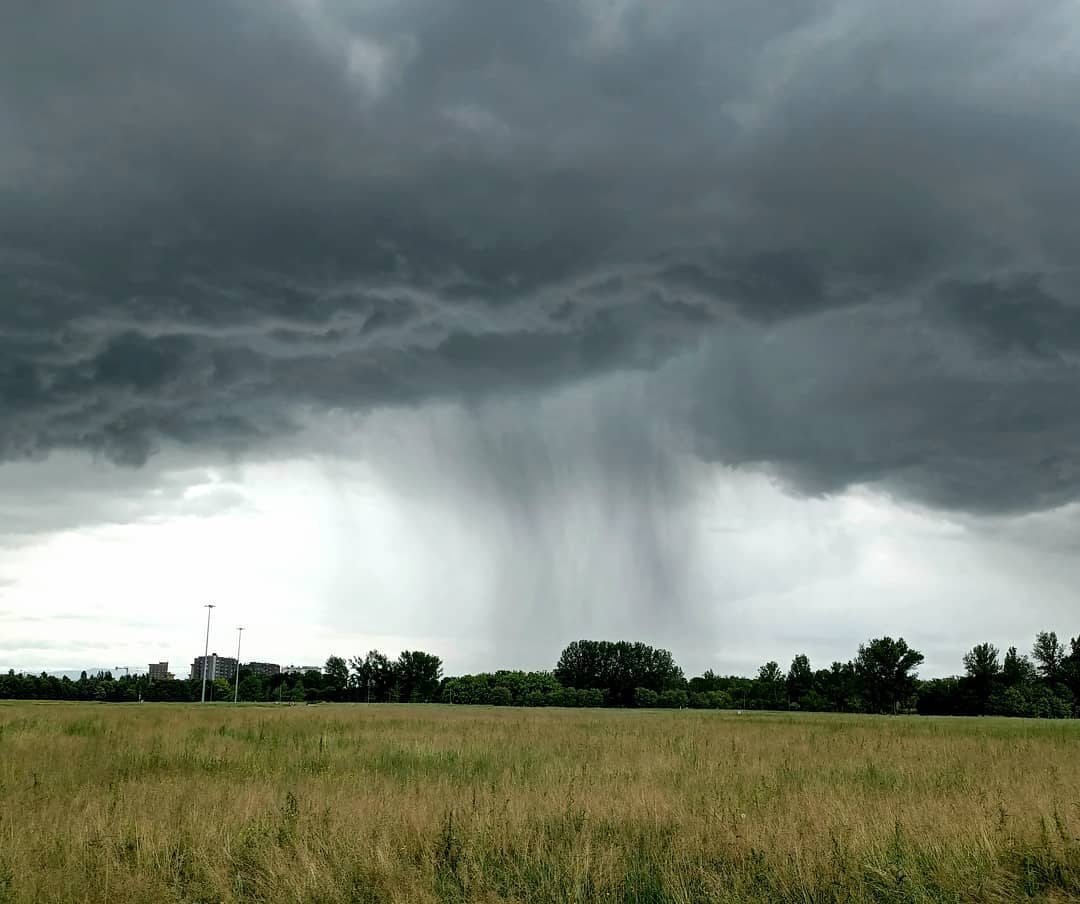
x=388 y=803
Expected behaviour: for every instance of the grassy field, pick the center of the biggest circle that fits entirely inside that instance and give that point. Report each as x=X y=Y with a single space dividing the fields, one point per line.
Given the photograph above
x=172 y=803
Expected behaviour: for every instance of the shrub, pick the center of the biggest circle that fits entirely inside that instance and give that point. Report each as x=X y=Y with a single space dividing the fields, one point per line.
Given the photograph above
x=673 y=699
x=645 y=698
x=720 y=700
x=500 y=696
x=568 y=696
x=592 y=697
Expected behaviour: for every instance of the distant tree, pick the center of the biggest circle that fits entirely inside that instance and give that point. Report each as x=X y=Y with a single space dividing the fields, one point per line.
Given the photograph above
x=983 y=671
x=1034 y=700
x=770 y=673
x=886 y=670
x=1071 y=669
x=525 y=689
x=771 y=690
x=297 y=693
x=707 y=682
x=645 y=698
x=582 y=664
x=220 y=690
x=719 y=700
x=882 y=678
x=981 y=662
x=673 y=698
x=252 y=687
x=591 y=697
x=335 y=674
x=741 y=688
x=1017 y=669
x=831 y=688
x=950 y=697
x=1049 y=655
x=1051 y=702
x=617 y=669
x=375 y=677
x=946 y=697
x=360 y=677
x=800 y=678
x=418 y=675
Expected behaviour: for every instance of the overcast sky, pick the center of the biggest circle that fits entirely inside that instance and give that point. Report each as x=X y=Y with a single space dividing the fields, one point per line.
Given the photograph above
x=740 y=328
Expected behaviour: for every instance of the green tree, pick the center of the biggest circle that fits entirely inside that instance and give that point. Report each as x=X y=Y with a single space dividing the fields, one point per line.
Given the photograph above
x=947 y=697
x=981 y=662
x=645 y=698
x=1049 y=655
x=838 y=688
x=252 y=687
x=673 y=698
x=501 y=696
x=617 y=669
x=1071 y=668
x=335 y=675
x=983 y=671
x=418 y=675
x=525 y=689
x=886 y=669
x=219 y=689
x=800 y=678
x=707 y=682
x=374 y=677
x=771 y=689
x=1017 y=669
x=719 y=700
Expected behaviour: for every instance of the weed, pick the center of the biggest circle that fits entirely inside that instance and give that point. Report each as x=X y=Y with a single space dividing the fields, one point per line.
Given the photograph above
x=427 y=803
x=7 y=882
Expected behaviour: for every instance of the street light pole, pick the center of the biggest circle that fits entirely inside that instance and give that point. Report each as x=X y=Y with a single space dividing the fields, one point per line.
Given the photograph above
x=236 y=690
x=206 y=651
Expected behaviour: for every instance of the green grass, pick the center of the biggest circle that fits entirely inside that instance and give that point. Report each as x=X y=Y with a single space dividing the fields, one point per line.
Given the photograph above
x=176 y=803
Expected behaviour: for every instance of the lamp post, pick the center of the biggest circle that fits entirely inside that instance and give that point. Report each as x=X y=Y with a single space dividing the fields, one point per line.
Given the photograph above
x=236 y=690
x=206 y=651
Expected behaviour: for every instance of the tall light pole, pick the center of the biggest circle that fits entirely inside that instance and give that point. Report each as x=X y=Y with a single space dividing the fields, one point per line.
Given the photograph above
x=206 y=651
x=236 y=690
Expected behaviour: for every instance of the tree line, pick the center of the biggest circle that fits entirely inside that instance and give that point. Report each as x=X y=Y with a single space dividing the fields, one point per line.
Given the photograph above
x=881 y=678
x=413 y=677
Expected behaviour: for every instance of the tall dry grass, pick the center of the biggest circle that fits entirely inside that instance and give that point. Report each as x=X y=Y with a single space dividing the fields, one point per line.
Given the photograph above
x=357 y=803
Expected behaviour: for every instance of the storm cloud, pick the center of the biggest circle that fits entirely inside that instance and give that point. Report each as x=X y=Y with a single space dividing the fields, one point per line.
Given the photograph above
x=839 y=239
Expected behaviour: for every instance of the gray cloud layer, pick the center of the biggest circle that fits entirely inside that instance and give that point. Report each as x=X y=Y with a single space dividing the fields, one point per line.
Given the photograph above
x=844 y=237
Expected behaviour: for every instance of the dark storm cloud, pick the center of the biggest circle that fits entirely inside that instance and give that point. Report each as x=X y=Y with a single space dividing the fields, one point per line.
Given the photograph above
x=891 y=399
x=1017 y=314
x=215 y=217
